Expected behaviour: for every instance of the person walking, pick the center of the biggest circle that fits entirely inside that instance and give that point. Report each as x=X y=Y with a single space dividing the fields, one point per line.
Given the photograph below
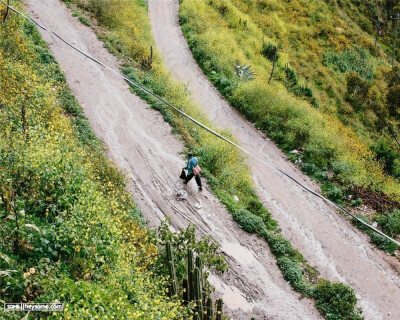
x=192 y=164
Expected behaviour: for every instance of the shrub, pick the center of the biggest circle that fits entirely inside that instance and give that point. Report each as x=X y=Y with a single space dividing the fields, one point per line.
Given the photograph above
x=383 y=243
x=270 y=51
x=247 y=220
x=278 y=244
x=336 y=301
x=290 y=269
x=387 y=156
x=354 y=59
x=333 y=191
x=357 y=90
x=390 y=223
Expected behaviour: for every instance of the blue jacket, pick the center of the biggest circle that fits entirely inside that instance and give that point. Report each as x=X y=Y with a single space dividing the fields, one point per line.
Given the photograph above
x=192 y=162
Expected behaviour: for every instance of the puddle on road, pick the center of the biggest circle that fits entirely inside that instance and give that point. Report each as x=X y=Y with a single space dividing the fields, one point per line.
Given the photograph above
x=233 y=298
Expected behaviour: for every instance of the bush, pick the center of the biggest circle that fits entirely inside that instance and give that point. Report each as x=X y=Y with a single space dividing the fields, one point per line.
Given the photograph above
x=270 y=51
x=355 y=59
x=383 y=243
x=336 y=301
x=390 y=223
x=333 y=191
x=290 y=269
x=278 y=244
x=248 y=221
x=386 y=155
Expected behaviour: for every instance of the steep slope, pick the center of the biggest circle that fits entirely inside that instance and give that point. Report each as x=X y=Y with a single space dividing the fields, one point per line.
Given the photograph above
x=138 y=140
x=326 y=239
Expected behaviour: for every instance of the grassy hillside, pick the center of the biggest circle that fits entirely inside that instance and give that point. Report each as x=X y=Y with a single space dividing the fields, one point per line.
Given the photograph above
x=328 y=94
x=308 y=74
x=68 y=229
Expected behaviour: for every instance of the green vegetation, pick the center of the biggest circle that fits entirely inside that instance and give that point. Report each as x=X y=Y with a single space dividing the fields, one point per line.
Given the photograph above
x=194 y=290
x=320 y=87
x=389 y=223
x=336 y=301
x=129 y=37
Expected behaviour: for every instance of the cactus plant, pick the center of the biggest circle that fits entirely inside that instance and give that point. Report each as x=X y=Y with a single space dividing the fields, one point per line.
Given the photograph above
x=219 y=309
x=199 y=264
x=209 y=306
x=185 y=294
x=174 y=283
x=193 y=286
x=198 y=296
x=147 y=63
x=190 y=274
x=169 y=251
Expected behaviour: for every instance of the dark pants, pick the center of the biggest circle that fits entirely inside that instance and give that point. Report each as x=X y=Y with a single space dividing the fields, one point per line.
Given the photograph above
x=190 y=176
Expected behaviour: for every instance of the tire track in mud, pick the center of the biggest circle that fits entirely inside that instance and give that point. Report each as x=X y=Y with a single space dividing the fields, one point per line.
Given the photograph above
x=326 y=239
x=139 y=141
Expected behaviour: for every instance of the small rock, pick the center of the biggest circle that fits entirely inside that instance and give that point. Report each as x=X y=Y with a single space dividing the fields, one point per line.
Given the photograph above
x=197 y=206
x=235 y=198
x=181 y=195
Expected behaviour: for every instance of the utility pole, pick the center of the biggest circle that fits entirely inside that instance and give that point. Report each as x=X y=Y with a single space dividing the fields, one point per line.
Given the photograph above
x=395 y=35
x=378 y=27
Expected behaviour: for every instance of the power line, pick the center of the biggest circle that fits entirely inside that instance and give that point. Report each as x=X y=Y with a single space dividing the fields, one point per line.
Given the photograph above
x=204 y=126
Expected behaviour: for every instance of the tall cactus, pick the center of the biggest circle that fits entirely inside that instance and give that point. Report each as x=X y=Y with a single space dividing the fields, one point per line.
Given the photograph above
x=168 y=248
x=210 y=314
x=174 y=283
x=171 y=270
x=198 y=296
x=190 y=274
x=193 y=286
x=185 y=294
x=219 y=309
x=199 y=264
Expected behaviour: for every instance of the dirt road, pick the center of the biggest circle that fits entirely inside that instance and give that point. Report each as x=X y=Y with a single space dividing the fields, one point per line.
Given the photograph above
x=139 y=141
x=327 y=240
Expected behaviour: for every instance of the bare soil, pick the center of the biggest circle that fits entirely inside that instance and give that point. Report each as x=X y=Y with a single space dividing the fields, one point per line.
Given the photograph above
x=327 y=240
x=140 y=142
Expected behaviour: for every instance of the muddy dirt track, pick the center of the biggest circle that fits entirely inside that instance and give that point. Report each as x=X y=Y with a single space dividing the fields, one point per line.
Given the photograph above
x=139 y=141
x=327 y=240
